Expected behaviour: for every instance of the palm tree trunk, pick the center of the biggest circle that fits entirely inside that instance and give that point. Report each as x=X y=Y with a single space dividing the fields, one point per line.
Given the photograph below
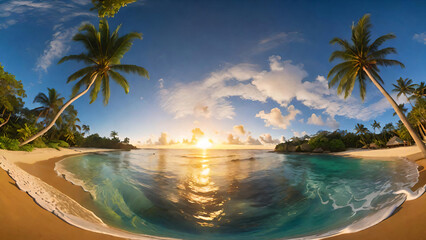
x=93 y=78
x=7 y=120
x=398 y=111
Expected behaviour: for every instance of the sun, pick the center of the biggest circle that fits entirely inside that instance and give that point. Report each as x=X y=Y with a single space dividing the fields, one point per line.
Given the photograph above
x=204 y=143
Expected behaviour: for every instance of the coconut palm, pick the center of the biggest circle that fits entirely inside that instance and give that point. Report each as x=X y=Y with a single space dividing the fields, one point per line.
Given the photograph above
x=404 y=87
x=361 y=59
x=402 y=108
x=360 y=129
x=50 y=104
x=85 y=128
x=113 y=134
x=104 y=50
x=375 y=125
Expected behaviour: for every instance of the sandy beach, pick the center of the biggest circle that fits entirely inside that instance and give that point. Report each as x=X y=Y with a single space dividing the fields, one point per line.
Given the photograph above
x=24 y=217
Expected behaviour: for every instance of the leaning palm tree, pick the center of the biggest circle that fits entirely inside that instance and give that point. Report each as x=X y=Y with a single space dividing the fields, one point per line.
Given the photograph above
x=404 y=87
x=50 y=104
x=361 y=59
x=375 y=125
x=104 y=50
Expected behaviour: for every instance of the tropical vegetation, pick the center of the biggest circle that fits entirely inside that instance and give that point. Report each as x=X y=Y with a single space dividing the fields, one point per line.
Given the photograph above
x=104 y=51
x=361 y=59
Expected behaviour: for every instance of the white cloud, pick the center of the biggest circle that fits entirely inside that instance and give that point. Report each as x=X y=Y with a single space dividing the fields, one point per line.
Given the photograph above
x=19 y=7
x=276 y=119
x=56 y=48
x=251 y=141
x=298 y=134
x=8 y=23
x=276 y=40
x=233 y=140
x=209 y=97
x=266 y=139
x=163 y=139
x=59 y=11
x=283 y=82
x=332 y=123
x=239 y=129
x=315 y=120
x=420 y=37
x=161 y=83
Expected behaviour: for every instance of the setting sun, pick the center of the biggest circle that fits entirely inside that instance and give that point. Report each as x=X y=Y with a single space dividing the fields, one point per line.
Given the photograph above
x=204 y=143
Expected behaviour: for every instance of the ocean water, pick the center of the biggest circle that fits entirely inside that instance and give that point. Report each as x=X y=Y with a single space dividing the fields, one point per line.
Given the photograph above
x=239 y=194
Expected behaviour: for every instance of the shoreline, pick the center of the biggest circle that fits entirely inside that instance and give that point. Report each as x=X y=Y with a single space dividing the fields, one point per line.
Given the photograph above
x=62 y=206
x=43 y=169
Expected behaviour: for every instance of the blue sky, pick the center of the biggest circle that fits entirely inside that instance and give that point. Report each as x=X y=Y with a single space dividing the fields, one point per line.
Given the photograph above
x=216 y=64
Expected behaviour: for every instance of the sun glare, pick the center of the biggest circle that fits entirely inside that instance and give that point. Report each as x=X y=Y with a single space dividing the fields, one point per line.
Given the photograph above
x=204 y=143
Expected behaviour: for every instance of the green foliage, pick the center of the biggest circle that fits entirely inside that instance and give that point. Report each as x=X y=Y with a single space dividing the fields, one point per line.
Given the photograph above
x=39 y=143
x=104 y=51
x=50 y=105
x=357 y=55
x=97 y=141
x=11 y=92
x=9 y=144
x=282 y=147
x=63 y=144
x=320 y=140
x=380 y=143
x=26 y=131
x=336 y=145
x=404 y=87
x=54 y=145
x=27 y=148
x=108 y=8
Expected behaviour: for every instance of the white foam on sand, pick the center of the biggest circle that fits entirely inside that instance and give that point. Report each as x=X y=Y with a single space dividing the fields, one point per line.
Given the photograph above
x=61 y=205
x=70 y=177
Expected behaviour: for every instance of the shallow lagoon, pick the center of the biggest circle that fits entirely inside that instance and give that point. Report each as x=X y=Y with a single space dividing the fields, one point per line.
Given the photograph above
x=238 y=194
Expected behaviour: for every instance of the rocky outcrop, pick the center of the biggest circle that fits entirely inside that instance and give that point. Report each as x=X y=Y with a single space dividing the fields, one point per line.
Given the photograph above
x=318 y=150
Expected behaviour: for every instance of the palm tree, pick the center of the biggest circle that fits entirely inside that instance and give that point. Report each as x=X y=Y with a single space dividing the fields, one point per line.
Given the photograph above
x=104 y=50
x=420 y=91
x=404 y=87
x=85 y=128
x=375 y=125
x=50 y=104
x=361 y=59
x=114 y=135
x=388 y=128
x=401 y=108
x=360 y=129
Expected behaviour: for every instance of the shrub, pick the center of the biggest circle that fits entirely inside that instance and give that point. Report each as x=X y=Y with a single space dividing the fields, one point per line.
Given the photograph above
x=53 y=145
x=63 y=144
x=336 y=145
x=27 y=148
x=9 y=144
x=39 y=143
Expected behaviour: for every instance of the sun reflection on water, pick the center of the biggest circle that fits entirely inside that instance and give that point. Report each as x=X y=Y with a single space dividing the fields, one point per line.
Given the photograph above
x=201 y=193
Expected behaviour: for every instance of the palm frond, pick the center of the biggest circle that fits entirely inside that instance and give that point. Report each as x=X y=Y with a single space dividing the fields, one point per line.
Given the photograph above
x=118 y=78
x=131 y=69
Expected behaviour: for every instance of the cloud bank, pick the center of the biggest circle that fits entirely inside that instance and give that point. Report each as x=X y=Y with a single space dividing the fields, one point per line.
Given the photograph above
x=282 y=83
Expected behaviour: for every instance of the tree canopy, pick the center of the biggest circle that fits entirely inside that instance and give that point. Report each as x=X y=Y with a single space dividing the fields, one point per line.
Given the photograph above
x=108 y=8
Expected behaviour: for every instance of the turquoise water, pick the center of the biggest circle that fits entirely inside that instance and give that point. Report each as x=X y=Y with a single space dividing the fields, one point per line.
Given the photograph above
x=238 y=194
